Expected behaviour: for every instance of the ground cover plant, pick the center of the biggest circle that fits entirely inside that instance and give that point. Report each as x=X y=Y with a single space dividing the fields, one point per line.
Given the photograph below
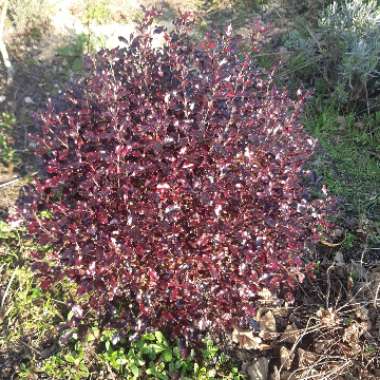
x=172 y=191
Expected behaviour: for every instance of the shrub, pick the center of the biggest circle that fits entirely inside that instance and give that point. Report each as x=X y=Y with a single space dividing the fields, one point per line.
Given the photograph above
x=344 y=51
x=172 y=184
x=309 y=10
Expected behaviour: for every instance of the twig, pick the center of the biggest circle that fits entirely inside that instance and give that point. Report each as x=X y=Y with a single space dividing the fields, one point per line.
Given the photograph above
x=3 y=48
x=8 y=288
x=376 y=297
x=14 y=180
x=328 y=284
x=31 y=348
x=9 y=183
x=314 y=37
x=111 y=373
x=295 y=344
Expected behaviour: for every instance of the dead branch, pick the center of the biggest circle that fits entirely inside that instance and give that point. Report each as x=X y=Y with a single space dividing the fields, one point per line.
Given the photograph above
x=3 y=48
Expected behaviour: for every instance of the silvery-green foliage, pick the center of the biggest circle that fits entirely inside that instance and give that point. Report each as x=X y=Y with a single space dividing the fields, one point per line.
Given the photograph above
x=354 y=17
x=362 y=60
x=346 y=47
x=357 y=24
x=296 y=40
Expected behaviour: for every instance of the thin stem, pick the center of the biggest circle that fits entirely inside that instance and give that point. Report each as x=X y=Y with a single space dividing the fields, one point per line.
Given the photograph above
x=3 y=48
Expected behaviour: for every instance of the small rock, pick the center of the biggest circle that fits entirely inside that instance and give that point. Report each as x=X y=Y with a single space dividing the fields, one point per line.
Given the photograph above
x=267 y=321
x=258 y=370
x=248 y=341
x=49 y=351
x=341 y=121
x=28 y=100
x=339 y=259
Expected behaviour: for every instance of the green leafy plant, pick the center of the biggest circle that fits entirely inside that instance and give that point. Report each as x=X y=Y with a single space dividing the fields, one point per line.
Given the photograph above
x=7 y=232
x=71 y=365
x=307 y=9
x=154 y=357
x=150 y=357
x=73 y=52
x=221 y=12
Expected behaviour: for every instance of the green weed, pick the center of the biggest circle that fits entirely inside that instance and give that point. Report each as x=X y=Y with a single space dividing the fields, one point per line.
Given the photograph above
x=150 y=357
x=349 y=161
x=81 y=45
x=153 y=357
x=97 y=12
x=71 y=365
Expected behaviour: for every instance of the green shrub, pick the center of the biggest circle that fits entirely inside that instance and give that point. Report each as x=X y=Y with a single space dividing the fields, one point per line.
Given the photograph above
x=309 y=9
x=220 y=13
x=341 y=55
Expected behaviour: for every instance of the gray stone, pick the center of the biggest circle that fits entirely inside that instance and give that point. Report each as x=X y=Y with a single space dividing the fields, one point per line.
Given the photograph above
x=258 y=369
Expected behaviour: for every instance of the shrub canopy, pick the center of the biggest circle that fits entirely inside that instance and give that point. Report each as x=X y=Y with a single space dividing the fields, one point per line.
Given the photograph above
x=171 y=188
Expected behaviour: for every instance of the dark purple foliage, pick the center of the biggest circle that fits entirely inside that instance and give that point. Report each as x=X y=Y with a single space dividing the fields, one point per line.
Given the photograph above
x=173 y=180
